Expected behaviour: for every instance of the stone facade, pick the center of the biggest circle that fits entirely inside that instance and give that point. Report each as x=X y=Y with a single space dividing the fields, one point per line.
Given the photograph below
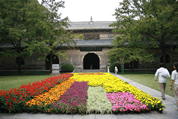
x=76 y=56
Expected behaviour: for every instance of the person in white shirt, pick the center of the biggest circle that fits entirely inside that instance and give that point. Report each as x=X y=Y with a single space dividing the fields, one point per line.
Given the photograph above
x=116 y=70
x=174 y=77
x=163 y=73
x=108 y=68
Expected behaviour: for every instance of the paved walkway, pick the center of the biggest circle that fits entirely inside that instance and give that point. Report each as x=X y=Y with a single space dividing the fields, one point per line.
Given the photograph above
x=168 y=113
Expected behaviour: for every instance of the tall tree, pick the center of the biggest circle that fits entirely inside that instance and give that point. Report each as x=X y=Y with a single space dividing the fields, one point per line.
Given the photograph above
x=56 y=35
x=30 y=27
x=160 y=23
x=15 y=17
x=138 y=25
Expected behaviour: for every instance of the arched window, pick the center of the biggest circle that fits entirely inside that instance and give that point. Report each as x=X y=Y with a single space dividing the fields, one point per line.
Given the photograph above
x=167 y=59
x=55 y=60
x=19 y=61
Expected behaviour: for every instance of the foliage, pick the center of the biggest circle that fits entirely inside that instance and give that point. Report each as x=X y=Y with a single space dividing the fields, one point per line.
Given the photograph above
x=67 y=67
x=142 y=25
x=112 y=67
x=30 y=27
x=56 y=36
x=18 y=24
x=79 y=36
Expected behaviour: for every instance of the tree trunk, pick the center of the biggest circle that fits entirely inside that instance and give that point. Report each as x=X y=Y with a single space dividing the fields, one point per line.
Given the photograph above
x=50 y=61
x=19 y=65
x=19 y=68
x=132 y=66
x=164 y=54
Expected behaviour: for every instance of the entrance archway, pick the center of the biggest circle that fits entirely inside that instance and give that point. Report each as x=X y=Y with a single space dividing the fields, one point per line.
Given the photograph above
x=91 y=61
x=55 y=60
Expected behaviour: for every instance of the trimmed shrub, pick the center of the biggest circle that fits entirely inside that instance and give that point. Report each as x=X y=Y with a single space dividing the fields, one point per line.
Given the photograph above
x=112 y=67
x=67 y=67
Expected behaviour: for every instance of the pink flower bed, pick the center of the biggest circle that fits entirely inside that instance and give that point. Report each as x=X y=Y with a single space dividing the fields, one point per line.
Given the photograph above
x=125 y=102
x=73 y=100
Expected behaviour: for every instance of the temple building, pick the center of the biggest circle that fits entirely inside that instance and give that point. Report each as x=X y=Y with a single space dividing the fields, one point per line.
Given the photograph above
x=89 y=53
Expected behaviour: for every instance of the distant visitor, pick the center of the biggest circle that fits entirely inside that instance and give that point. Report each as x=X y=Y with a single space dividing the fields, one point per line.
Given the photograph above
x=116 y=69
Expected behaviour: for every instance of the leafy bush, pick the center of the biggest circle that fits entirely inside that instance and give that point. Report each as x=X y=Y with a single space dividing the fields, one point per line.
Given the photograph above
x=112 y=67
x=67 y=67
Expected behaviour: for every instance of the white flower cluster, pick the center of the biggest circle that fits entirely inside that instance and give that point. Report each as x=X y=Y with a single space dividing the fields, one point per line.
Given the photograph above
x=97 y=100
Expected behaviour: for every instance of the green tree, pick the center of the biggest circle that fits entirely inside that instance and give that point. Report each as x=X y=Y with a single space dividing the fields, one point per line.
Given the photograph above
x=17 y=17
x=141 y=25
x=56 y=36
x=30 y=27
x=160 y=23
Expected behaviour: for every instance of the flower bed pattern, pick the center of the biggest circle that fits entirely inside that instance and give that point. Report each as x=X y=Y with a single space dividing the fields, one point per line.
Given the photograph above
x=106 y=93
x=53 y=94
x=125 y=102
x=113 y=84
x=74 y=99
x=15 y=99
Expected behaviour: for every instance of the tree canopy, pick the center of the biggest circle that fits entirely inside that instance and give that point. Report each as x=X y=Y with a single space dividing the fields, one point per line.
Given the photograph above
x=30 y=27
x=144 y=24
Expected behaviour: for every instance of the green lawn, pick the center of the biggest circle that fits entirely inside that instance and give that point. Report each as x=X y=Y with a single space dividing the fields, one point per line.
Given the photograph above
x=149 y=81
x=7 y=82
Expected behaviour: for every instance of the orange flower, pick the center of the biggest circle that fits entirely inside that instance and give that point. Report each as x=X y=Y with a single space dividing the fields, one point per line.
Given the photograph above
x=53 y=94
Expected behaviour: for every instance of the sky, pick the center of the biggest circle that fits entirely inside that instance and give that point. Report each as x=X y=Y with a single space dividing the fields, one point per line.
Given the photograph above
x=82 y=10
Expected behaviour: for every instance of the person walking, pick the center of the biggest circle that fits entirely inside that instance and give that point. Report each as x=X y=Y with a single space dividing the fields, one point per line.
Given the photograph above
x=174 y=77
x=163 y=73
x=108 y=68
x=116 y=70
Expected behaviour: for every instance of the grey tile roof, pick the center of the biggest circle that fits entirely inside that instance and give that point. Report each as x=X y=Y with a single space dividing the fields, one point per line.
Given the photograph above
x=84 y=43
x=90 y=25
x=79 y=43
x=93 y=43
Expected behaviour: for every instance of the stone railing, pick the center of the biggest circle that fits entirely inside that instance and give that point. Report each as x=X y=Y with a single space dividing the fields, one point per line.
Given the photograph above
x=103 y=68
x=78 y=69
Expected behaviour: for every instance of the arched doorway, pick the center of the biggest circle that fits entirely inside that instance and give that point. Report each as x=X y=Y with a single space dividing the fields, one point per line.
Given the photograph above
x=55 y=60
x=167 y=59
x=91 y=61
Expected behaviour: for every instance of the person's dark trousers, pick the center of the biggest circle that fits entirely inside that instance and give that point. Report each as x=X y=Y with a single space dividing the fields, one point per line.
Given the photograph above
x=162 y=88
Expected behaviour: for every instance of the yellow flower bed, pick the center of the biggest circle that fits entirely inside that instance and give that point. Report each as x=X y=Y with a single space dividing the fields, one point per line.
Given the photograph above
x=53 y=94
x=113 y=84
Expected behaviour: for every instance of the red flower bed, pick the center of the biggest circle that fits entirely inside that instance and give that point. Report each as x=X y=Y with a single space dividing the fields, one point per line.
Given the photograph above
x=15 y=99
